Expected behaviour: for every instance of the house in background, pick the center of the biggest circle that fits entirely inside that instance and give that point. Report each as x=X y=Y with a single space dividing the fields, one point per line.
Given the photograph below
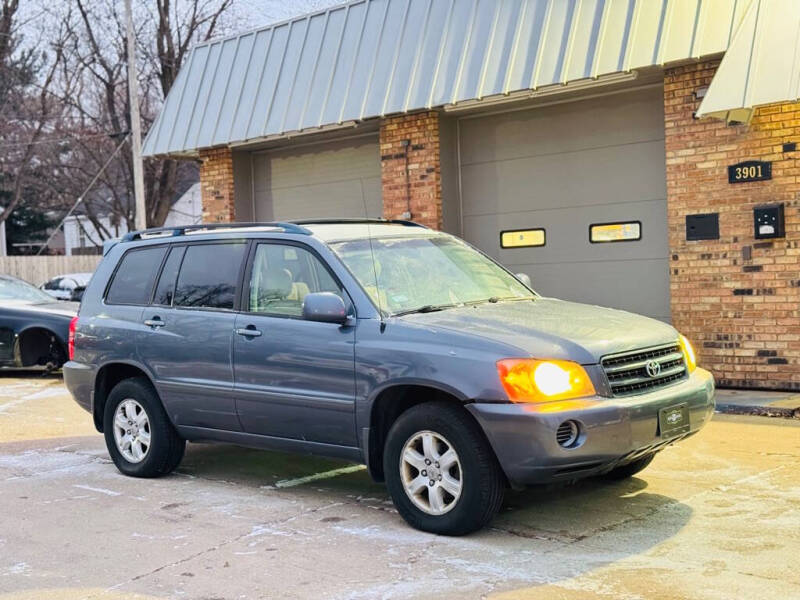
x=82 y=237
x=187 y=210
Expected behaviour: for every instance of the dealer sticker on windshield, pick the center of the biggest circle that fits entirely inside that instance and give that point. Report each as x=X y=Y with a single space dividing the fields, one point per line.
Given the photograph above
x=673 y=420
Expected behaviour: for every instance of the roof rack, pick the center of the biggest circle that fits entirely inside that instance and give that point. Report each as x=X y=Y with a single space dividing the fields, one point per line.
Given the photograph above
x=356 y=220
x=184 y=229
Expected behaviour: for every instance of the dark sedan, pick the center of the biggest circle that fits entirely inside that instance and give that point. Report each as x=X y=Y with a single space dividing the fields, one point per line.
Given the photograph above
x=34 y=328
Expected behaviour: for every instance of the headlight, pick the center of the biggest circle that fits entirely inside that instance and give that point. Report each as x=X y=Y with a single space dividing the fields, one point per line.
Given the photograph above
x=532 y=380
x=688 y=353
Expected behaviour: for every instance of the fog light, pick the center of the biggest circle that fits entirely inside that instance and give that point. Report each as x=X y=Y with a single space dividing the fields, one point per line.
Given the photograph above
x=568 y=433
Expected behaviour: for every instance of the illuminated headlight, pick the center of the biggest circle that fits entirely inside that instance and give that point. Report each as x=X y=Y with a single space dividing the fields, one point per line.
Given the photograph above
x=532 y=380
x=688 y=353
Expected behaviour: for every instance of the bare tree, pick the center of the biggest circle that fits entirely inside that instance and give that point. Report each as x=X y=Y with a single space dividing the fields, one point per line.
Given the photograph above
x=165 y=32
x=29 y=112
x=176 y=30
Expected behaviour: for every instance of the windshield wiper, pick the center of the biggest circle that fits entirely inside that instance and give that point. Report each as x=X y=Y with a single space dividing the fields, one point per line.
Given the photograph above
x=496 y=299
x=427 y=308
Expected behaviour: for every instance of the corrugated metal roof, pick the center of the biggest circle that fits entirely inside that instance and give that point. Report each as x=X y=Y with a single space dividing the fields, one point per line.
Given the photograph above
x=762 y=64
x=370 y=58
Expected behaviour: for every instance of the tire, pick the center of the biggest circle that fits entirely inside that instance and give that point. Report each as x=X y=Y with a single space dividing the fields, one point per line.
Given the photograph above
x=165 y=449
x=482 y=484
x=629 y=470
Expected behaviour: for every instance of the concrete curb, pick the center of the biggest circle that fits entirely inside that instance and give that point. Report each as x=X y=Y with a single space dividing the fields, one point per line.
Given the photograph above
x=760 y=411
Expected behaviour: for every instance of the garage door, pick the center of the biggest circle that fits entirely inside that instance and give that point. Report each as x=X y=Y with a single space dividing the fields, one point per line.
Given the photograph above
x=336 y=179
x=561 y=169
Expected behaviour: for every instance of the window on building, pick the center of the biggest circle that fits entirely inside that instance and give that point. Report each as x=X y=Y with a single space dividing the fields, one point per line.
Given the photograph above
x=522 y=238
x=282 y=276
x=601 y=233
x=208 y=276
x=135 y=276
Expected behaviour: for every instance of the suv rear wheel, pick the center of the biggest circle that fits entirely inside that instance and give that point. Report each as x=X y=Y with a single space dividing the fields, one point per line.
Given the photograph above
x=139 y=437
x=440 y=471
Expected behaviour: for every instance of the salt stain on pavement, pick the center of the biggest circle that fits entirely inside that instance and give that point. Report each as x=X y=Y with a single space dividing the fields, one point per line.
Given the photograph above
x=98 y=490
x=709 y=519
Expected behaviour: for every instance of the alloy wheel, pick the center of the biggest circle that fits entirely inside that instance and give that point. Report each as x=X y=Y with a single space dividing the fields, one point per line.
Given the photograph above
x=132 y=430
x=431 y=473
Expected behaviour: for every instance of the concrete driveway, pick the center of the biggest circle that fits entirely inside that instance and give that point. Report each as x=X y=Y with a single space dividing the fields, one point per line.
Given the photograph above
x=716 y=517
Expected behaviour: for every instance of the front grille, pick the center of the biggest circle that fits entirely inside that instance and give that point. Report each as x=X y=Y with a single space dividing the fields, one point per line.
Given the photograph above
x=628 y=372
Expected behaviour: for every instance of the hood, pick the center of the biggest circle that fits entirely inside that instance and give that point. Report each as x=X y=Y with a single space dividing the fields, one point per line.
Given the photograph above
x=550 y=328
x=66 y=309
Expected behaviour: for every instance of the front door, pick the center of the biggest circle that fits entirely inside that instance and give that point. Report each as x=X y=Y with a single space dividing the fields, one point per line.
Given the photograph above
x=189 y=326
x=293 y=378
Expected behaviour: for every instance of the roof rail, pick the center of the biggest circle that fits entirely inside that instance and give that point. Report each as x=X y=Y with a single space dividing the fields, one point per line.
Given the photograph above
x=356 y=220
x=200 y=227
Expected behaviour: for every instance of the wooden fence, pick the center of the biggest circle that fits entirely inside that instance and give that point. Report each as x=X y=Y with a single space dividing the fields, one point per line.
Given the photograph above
x=38 y=269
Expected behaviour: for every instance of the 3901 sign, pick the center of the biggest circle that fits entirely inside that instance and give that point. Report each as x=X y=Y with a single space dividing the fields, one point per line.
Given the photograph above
x=751 y=170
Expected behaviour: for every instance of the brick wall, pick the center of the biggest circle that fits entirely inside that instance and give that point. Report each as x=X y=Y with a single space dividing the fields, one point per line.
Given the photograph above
x=216 y=185
x=411 y=175
x=743 y=314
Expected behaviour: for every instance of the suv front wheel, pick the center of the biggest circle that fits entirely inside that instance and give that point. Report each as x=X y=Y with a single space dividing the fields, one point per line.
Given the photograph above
x=139 y=437
x=440 y=471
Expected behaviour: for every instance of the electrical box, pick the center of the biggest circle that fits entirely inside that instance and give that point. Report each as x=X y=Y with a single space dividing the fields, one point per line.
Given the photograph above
x=768 y=220
x=702 y=227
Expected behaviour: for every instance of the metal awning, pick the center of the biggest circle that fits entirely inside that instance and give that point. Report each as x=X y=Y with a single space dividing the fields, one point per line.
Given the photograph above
x=371 y=58
x=761 y=65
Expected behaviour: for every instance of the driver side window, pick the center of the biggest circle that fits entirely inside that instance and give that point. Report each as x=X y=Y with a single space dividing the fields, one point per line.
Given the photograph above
x=282 y=276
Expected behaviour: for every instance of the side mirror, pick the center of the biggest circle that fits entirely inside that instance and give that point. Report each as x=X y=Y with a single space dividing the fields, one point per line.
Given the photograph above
x=525 y=279
x=324 y=307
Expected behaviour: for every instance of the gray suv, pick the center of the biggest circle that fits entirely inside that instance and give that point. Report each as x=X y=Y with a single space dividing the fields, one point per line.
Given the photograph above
x=381 y=342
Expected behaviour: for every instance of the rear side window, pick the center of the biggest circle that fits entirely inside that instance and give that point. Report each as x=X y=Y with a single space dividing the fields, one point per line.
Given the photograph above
x=165 y=291
x=53 y=284
x=209 y=275
x=135 y=276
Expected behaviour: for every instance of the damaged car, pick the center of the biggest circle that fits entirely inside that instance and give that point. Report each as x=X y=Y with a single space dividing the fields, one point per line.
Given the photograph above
x=34 y=327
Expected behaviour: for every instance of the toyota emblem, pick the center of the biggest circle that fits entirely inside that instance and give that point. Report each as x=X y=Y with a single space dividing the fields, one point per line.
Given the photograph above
x=653 y=368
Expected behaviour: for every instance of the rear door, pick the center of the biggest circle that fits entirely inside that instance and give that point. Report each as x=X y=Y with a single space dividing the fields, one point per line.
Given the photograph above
x=117 y=328
x=294 y=378
x=187 y=343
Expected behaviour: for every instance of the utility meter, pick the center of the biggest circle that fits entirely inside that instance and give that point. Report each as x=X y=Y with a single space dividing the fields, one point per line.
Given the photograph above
x=768 y=221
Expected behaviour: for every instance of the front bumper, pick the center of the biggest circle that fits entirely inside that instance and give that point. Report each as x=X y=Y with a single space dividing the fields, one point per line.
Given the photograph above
x=615 y=431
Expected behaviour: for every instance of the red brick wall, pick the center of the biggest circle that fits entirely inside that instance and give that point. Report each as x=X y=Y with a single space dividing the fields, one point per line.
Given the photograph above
x=418 y=190
x=743 y=315
x=216 y=185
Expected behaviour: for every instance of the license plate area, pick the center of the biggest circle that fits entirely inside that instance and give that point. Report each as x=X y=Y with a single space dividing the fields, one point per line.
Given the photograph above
x=673 y=420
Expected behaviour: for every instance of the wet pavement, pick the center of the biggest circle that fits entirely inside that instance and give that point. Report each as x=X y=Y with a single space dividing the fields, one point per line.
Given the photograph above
x=714 y=517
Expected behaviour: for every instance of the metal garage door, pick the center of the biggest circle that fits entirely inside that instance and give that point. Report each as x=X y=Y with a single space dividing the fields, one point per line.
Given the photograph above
x=563 y=168
x=335 y=179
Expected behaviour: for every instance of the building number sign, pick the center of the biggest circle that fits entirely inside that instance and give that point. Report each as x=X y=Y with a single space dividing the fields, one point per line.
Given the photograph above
x=751 y=170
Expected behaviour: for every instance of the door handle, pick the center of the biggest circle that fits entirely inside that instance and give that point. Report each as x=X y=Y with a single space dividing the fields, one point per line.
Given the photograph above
x=248 y=331
x=155 y=322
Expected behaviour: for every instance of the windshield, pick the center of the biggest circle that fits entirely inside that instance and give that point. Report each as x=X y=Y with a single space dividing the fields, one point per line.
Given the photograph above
x=428 y=272
x=18 y=290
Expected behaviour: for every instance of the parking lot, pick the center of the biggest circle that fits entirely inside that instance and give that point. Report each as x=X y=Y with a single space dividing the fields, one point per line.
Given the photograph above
x=711 y=518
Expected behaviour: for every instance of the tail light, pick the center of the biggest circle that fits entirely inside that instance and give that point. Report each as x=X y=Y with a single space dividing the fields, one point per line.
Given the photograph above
x=71 y=341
